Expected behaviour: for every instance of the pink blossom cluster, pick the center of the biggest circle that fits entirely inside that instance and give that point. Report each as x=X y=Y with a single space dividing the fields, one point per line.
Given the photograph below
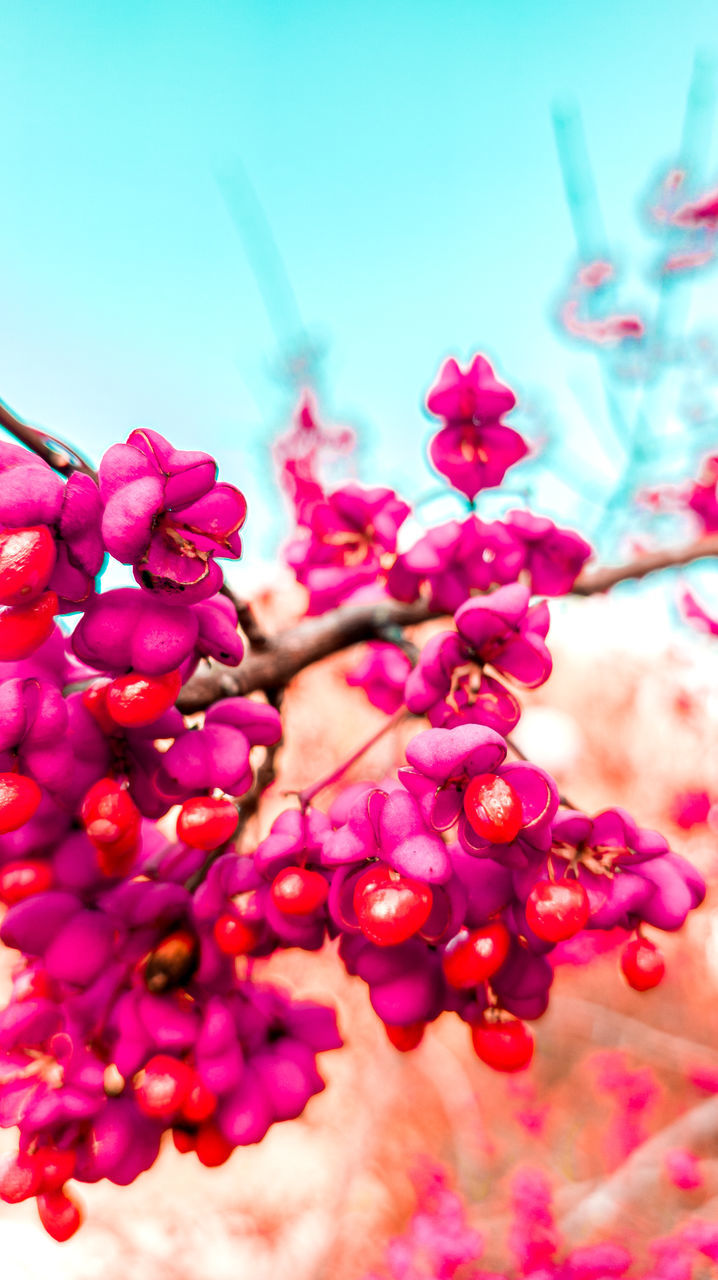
x=448 y=887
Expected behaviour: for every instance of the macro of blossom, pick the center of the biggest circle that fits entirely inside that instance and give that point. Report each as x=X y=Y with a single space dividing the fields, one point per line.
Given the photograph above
x=165 y=514
x=553 y=557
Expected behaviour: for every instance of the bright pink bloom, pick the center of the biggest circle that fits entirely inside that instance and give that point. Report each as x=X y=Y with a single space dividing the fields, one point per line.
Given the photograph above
x=474 y=449
x=349 y=537
x=166 y=515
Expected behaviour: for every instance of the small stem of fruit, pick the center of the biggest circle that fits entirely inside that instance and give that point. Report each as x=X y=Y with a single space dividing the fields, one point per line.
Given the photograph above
x=306 y=796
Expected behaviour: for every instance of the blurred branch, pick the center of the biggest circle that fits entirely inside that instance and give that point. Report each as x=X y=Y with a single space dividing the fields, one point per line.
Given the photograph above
x=639 y=1176
x=289 y=652
x=602 y=579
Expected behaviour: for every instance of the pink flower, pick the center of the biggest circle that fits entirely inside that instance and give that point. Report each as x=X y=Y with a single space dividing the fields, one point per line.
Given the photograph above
x=473 y=450
x=455 y=559
x=166 y=515
x=381 y=673
x=554 y=557
x=349 y=537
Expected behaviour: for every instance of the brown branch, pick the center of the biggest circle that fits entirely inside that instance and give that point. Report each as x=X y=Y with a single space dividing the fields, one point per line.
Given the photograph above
x=289 y=651
x=55 y=452
x=592 y=581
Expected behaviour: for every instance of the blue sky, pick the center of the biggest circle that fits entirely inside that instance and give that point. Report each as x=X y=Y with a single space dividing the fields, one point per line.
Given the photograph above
x=404 y=157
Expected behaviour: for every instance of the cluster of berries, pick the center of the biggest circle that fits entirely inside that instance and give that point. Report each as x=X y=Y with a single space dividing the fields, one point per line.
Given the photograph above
x=132 y=1010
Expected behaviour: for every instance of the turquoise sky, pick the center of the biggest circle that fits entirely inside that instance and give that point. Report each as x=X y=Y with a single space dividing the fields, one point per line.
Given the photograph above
x=403 y=155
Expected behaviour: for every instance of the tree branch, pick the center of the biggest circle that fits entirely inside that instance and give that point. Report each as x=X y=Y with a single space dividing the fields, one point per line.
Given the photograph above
x=592 y=581
x=289 y=651
x=638 y=1178
x=55 y=452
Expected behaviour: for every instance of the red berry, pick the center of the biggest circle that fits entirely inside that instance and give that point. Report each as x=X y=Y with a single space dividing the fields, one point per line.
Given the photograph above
x=473 y=957
x=94 y=699
x=31 y=984
x=20 y=880
x=205 y=823
x=298 y=892
x=505 y=1046
x=233 y=936
x=19 y=799
x=55 y=1167
x=493 y=808
x=390 y=907
x=163 y=1085
x=23 y=628
x=112 y=822
x=557 y=909
x=199 y=1104
x=19 y=1177
x=642 y=964
x=27 y=559
x=59 y=1215
x=405 y=1038
x=212 y=1147
x=135 y=700
x=184 y=1141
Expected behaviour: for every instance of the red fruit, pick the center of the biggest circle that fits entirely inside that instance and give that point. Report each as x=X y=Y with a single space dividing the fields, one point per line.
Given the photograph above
x=55 y=1167
x=557 y=909
x=31 y=984
x=505 y=1046
x=184 y=1141
x=135 y=700
x=473 y=957
x=199 y=1104
x=23 y=628
x=20 y=880
x=19 y=799
x=94 y=699
x=19 y=1177
x=233 y=936
x=642 y=964
x=112 y=823
x=493 y=808
x=163 y=1085
x=390 y=907
x=405 y=1038
x=27 y=559
x=298 y=892
x=59 y=1215
x=212 y=1147
x=204 y=823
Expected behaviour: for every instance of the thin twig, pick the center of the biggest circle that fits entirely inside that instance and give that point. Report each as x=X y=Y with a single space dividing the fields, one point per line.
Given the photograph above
x=306 y=796
x=592 y=581
x=55 y=452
